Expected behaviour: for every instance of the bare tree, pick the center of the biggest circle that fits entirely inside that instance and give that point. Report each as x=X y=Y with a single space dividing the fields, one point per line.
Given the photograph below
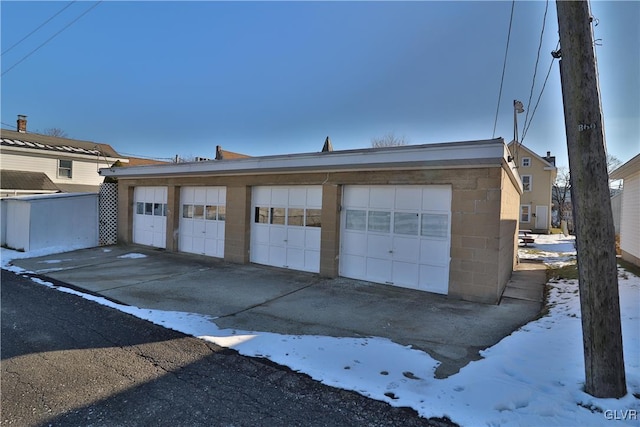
x=388 y=140
x=561 y=194
x=612 y=162
x=57 y=132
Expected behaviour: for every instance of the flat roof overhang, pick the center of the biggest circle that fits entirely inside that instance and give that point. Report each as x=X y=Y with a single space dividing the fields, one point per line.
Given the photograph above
x=468 y=154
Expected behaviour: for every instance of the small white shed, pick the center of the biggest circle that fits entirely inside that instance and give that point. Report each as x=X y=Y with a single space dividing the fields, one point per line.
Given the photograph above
x=68 y=220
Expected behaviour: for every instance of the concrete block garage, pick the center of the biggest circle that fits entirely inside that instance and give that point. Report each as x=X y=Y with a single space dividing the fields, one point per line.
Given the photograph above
x=440 y=218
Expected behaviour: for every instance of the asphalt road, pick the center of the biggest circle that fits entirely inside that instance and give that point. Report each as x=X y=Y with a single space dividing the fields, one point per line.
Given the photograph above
x=67 y=361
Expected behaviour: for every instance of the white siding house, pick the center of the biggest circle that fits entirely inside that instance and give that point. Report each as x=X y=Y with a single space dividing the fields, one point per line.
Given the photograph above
x=630 y=217
x=71 y=165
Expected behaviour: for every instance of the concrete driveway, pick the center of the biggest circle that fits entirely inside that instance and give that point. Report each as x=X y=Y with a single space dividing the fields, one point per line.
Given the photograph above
x=258 y=298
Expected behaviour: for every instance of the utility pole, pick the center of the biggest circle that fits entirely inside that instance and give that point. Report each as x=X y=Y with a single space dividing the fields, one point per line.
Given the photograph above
x=595 y=241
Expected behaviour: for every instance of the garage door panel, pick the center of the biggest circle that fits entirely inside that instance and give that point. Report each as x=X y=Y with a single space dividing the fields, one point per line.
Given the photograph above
x=314 y=197
x=212 y=247
x=353 y=266
x=277 y=236
x=211 y=229
x=381 y=197
x=379 y=270
x=277 y=256
x=260 y=234
x=280 y=196
x=295 y=237
x=295 y=258
x=406 y=199
x=434 y=252
x=406 y=248
x=406 y=274
x=297 y=197
x=311 y=260
x=198 y=245
x=378 y=246
x=312 y=238
x=260 y=253
x=354 y=243
x=434 y=278
x=358 y=197
x=199 y=196
x=261 y=196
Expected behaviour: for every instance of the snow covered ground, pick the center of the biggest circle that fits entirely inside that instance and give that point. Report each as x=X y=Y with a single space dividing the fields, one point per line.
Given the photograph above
x=534 y=377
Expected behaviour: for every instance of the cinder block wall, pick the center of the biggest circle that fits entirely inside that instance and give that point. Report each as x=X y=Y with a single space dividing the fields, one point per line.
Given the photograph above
x=475 y=234
x=238 y=224
x=509 y=218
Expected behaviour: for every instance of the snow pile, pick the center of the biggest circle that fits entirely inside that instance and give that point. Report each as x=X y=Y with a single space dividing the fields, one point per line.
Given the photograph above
x=555 y=250
x=133 y=255
x=534 y=377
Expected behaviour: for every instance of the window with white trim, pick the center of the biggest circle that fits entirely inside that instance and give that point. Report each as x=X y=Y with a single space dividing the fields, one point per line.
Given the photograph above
x=526 y=182
x=65 y=168
x=526 y=162
x=525 y=213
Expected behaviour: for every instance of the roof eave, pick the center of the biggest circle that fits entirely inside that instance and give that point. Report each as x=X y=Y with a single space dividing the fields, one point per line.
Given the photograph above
x=447 y=154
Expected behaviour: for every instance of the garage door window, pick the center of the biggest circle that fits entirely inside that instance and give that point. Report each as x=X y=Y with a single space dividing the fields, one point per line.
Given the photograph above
x=312 y=218
x=356 y=220
x=155 y=209
x=294 y=216
x=210 y=213
x=261 y=215
x=435 y=225
x=379 y=221
x=405 y=223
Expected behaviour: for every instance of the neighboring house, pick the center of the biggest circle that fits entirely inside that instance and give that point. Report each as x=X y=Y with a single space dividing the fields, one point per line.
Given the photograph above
x=630 y=209
x=440 y=218
x=538 y=175
x=70 y=165
x=227 y=155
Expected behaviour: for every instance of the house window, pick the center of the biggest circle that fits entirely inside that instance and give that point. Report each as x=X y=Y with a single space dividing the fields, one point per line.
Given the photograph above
x=64 y=168
x=526 y=182
x=525 y=213
x=526 y=161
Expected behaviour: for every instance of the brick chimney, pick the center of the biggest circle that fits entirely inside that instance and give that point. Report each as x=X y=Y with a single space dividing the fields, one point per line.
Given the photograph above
x=551 y=159
x=22 y=123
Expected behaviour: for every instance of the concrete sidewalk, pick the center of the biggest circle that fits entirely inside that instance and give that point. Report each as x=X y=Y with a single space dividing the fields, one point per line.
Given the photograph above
x=258 y=298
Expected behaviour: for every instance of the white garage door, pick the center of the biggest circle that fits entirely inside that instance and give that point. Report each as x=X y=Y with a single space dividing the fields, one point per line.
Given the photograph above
x=150 y=216
x=202 y=219
x=285 y=228
x=398 y=235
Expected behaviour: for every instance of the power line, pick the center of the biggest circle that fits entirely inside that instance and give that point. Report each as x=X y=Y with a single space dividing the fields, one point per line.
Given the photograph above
x=504 y=67
x=50 y=38
x=525 y=128
x=40 y=26
x=535 y=69
x=145 y=157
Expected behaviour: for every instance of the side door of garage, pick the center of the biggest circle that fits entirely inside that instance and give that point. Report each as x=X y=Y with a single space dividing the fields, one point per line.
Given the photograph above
x=397 y=235
x=150 y=216
x=202 y=220
x=285 y=227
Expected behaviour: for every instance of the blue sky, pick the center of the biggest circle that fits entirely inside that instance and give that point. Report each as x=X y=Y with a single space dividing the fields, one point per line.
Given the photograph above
x=157 y=79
